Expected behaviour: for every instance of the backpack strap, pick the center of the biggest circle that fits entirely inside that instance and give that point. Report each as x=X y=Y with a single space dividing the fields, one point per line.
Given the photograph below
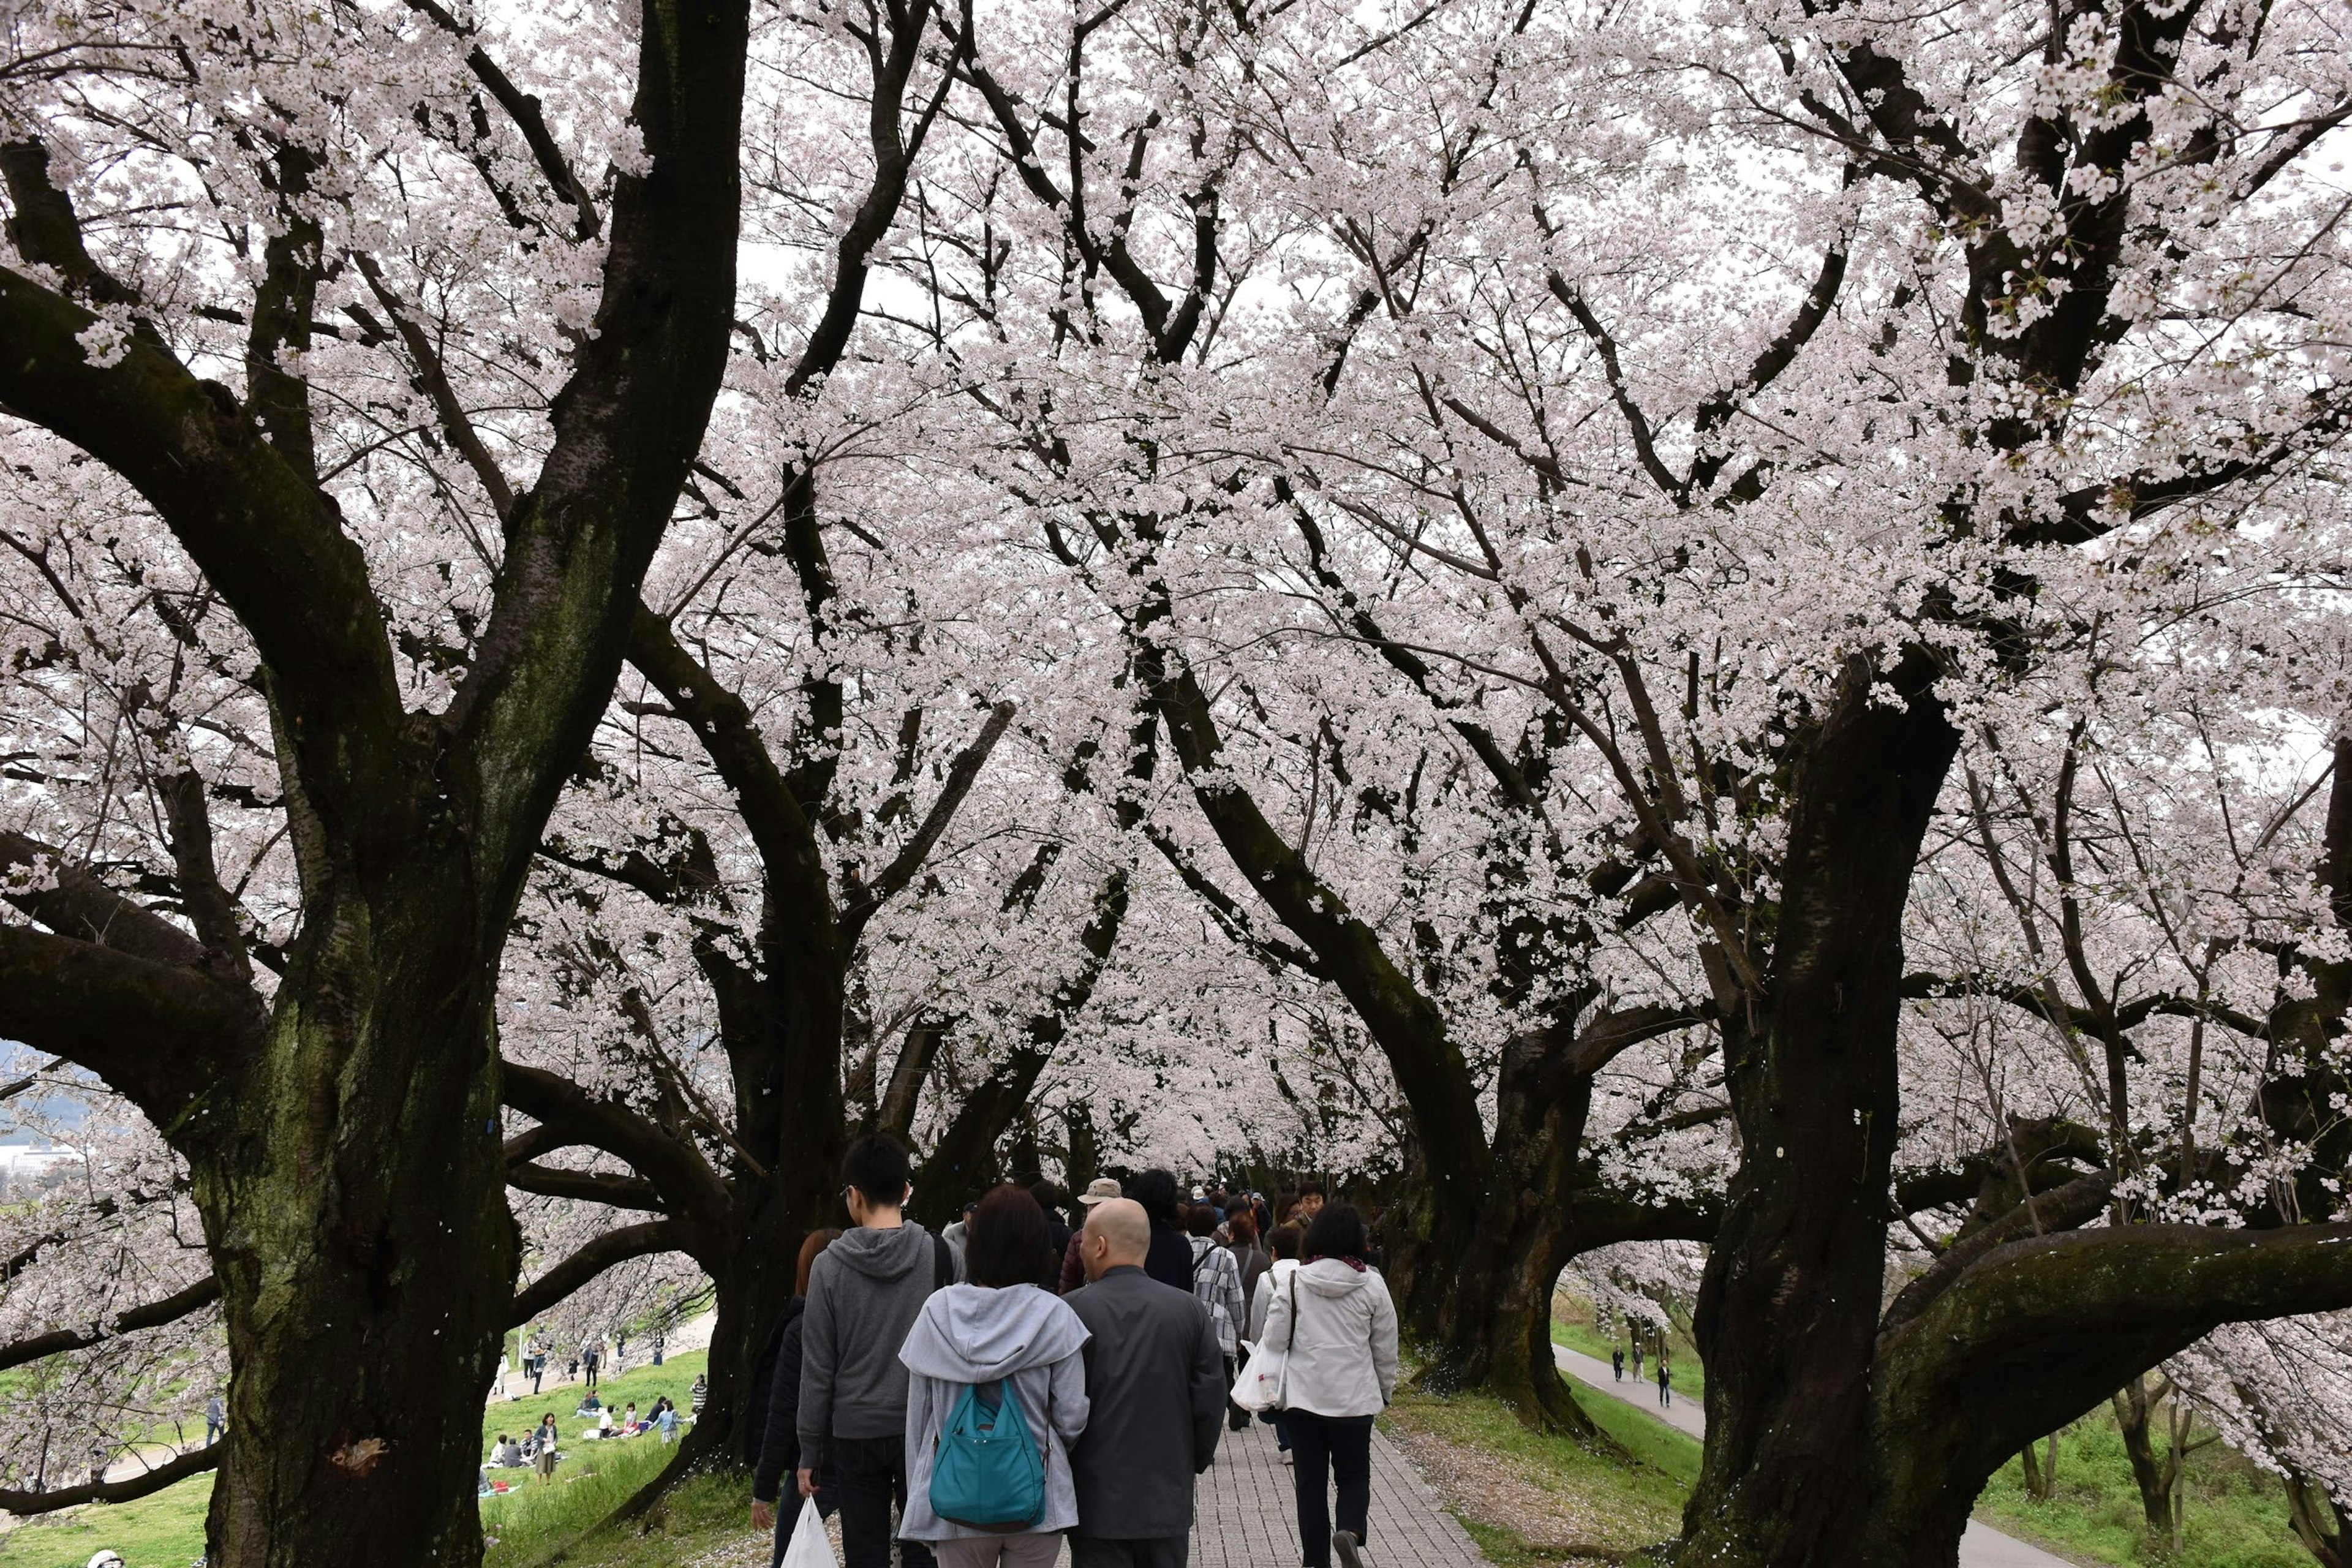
x=942 y=1263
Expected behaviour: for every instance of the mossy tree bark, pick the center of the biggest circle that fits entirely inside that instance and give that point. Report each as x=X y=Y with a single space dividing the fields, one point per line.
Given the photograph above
x=343 y=1139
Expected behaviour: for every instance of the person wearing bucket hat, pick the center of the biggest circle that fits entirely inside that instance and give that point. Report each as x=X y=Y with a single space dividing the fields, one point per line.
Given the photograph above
x=1101 y=1190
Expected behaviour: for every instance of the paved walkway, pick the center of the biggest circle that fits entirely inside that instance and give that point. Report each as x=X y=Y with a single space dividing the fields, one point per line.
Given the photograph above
x=1246 y=1513
x=1981 y=1547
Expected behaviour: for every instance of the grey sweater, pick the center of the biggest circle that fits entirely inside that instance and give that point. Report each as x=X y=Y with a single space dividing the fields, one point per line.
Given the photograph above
x=864 y=1292
x=970 y=1334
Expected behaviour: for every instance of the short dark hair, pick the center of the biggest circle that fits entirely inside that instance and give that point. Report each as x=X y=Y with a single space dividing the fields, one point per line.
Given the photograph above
x=1337 y=1232
x=1310 y=1189
x=1007 y=1242
x=1155 y=1190
x=1202 y=1221
x=877 y=1167
x=1286 y=1241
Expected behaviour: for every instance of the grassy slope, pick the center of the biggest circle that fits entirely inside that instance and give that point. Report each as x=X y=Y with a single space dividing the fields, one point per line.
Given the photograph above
x=2236 y=1515
x=167 y=1530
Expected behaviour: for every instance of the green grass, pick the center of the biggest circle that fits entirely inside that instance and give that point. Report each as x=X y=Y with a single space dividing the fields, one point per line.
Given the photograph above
x=2235 y=1515
x=165 y=1531
x=1641 y=1503
x=533 y=1523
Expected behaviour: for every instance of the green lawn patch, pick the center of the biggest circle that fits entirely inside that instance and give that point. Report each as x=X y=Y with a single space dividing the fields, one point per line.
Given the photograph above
x=1601 y=1498
x=165 y=1531
x=533 y=1523
x=2235 y=1515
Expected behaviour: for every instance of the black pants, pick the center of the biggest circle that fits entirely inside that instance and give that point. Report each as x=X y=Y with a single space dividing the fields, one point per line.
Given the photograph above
x=788 y=1513
x=1342 y=1445
x=868 y=1475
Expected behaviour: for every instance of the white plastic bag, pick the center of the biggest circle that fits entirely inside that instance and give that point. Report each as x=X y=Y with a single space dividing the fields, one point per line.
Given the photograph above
x=809 y=1548
x=1259 y=1387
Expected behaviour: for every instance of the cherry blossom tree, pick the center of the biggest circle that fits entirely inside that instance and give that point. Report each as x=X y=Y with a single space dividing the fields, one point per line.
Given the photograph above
x=238 y=240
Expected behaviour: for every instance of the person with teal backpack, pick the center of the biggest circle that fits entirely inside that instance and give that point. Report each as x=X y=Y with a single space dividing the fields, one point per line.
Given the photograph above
x=996 y=1393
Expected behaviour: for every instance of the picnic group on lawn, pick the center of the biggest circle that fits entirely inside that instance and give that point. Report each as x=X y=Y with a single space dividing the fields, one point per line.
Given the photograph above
x=1012 y=1382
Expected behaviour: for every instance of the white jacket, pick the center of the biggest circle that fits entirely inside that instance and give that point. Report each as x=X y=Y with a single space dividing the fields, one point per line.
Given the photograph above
x=1341 y=1339
x=1267 y=1284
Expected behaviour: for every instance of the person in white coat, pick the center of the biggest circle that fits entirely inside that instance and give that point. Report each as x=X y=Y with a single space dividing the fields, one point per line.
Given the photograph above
x=1338 y=1327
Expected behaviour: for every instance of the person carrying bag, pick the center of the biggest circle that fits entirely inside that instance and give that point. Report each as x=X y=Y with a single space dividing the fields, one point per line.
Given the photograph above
x=1338 y=1328
x=996 y=1393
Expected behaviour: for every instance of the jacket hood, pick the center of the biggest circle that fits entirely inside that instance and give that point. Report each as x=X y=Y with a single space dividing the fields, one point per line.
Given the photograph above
x=884 y=1254
x=1332 y=1277
x=969 y=1333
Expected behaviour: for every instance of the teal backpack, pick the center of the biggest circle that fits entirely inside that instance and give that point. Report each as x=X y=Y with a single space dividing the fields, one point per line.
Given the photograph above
x=986 y=1472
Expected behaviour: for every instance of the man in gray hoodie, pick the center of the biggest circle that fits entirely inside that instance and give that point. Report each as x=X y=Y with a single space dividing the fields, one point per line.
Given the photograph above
x=865 y=1291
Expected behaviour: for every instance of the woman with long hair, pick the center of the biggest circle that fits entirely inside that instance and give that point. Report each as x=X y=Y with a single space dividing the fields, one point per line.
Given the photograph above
x=1334 y=1319
x=1001 y=1332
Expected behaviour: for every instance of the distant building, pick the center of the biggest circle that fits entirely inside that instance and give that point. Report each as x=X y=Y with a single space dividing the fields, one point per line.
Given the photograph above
x=27 y=1168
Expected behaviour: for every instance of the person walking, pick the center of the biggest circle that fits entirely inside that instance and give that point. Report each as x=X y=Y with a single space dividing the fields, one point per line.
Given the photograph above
x=1339 y=1328
x=1217 y=1285
x=998 y=1334
x=864 y=1292
x=1637 y=1358
x=215 y=1420
x=538 y=1364
x=589 y=1355
x=1617 y=1363
x=1666 y=1382
x=1171 y=1258
x=1155 y=1384
x=1249 y=1257
x=1101 y=1190
x=778 y=1454
x=1285 y=1241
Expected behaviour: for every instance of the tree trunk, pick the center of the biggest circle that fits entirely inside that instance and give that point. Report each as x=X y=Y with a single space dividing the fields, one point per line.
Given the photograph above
x=1488 y=1304
x=2155 y=1478
x=2318 y=1525
x=1789 y=1310
x=352 y=1185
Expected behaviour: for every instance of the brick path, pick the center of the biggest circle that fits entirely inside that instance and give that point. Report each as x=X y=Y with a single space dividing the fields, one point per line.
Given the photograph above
x=1244 y=1515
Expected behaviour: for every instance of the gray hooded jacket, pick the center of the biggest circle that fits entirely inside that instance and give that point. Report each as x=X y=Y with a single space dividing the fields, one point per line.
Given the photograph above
x=968 y=1334
x=864 y=1292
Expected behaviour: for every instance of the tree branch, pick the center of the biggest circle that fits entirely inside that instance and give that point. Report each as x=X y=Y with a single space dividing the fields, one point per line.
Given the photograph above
x=150 y=1315
x=172 y=1472
x=607 y=1251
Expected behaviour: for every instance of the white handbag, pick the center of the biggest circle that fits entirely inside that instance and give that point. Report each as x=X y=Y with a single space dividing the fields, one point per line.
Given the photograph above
x=1266 y=1373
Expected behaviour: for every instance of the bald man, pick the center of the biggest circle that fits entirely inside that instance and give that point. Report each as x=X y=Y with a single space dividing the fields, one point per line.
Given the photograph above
x=1156 y=1385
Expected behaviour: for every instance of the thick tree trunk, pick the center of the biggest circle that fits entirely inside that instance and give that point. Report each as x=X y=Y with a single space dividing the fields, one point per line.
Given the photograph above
x=1488 y=1304
x=352 y=1185
x=1789 y=1310
x=2154 y=1476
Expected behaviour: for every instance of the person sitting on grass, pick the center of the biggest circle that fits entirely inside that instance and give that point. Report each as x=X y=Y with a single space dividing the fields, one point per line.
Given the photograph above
x=589 y=1403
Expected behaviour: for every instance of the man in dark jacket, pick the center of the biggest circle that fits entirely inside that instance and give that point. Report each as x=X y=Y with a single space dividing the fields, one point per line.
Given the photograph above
x=864 y=1292
x=1156 y=1385
x=1169 y=1257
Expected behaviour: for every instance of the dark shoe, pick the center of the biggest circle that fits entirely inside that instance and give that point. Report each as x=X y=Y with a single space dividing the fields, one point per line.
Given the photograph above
x=1344 y=1544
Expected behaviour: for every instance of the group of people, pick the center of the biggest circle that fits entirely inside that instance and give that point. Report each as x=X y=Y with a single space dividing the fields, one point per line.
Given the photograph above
x=903 y=1355
x=1664 y=1373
